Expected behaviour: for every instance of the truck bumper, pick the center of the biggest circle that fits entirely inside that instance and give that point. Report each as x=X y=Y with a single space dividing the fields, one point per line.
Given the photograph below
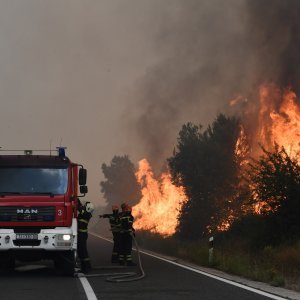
x=57 y=239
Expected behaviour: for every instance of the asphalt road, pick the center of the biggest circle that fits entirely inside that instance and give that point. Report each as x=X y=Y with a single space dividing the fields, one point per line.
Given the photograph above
x=163 y=280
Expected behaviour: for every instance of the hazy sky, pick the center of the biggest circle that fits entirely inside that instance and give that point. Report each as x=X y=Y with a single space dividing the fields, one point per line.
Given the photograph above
x=66 y=69
x=115 y=77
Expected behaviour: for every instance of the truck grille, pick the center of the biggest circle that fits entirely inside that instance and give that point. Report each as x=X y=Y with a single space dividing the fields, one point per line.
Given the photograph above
x=27 y=214
x=27 y=242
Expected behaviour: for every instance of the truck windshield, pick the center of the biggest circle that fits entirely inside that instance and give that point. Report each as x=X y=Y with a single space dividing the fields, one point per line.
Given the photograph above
x=33 y=181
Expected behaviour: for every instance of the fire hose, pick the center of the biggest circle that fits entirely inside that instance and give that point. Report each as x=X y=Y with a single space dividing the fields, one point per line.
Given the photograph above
x=119 y=276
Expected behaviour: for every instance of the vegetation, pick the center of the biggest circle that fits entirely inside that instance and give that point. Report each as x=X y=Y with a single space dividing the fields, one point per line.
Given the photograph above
x=206 y=165
x=275 y=178
x=260 y=201
x=265 y=195
x=120 y=184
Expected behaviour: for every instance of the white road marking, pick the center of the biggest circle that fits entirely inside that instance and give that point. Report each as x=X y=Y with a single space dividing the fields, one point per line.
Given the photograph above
x=87 y=288
x=272 y=296
x=85 y=284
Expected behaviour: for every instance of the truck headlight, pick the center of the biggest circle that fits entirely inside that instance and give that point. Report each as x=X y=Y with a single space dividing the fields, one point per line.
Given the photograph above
x=66 y=237
x=64 y=240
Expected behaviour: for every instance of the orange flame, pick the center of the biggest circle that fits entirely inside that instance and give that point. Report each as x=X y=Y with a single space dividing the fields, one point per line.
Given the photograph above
x=278 y=123
x=279 y=119
x=242 y=148
x=161 y=201
x=276 y=119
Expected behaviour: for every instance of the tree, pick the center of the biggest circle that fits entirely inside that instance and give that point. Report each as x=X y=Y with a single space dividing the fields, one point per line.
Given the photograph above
x=275 y=181
x=121 y=184
x=206 y=165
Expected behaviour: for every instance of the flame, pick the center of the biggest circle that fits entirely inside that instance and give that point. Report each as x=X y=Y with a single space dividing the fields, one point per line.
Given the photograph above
x=259 y=206
x=279 y=119
x=225 y=224
x=275 y=120
x=242 y=148
x=278 y=123
x=161 y=201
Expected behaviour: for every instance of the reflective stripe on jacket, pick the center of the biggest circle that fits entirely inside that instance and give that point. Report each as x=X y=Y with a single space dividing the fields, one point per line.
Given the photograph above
x=114 y=221
x=127 y=222
x=83 y=220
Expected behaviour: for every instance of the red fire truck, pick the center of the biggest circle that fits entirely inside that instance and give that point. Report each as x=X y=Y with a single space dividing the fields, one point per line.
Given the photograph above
x=38 y=208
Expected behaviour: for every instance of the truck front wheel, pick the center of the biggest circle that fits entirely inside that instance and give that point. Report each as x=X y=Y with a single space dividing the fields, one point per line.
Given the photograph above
x=7 y=261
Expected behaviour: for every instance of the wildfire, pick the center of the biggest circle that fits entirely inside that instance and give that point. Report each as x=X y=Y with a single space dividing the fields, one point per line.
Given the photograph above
x=161 y=201
x=242 y=148
x=278 y=123
x=275 y=120
x=279 y=119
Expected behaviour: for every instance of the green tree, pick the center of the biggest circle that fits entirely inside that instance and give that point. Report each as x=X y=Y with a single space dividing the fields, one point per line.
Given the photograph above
x=121 y=184
x=206 y=165
x=275 y=178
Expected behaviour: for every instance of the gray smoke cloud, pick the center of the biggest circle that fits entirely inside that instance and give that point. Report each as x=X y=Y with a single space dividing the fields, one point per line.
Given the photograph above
x=213 y=51
x=70 y=69
x=273 y=28
x=65 y=69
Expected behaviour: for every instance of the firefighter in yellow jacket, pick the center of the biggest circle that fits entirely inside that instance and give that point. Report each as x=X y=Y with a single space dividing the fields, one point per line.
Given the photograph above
x=84 y=215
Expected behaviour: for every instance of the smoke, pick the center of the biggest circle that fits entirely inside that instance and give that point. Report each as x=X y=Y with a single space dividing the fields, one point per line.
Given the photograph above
x=65 y=67
x=210 y=52
x=275 y=38
x=68 y=67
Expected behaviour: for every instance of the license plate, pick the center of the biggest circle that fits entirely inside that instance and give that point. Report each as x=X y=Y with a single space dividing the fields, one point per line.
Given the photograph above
x=26 y=236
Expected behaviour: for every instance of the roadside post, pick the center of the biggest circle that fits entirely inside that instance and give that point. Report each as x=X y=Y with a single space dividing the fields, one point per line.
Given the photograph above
x=210 y=250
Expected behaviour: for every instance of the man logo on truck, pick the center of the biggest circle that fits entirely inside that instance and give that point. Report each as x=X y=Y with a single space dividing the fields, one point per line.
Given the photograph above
x=27 y=211
x=27 y=214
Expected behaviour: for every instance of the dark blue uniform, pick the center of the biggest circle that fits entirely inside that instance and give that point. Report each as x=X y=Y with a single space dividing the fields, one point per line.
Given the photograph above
x=126 y=233
x=83 y=221
x=115 y=226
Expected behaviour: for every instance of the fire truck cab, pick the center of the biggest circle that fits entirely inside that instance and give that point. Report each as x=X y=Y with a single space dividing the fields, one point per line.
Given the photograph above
x=38 y=208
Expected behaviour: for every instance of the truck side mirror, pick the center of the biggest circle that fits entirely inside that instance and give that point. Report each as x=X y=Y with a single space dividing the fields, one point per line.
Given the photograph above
x=83 y=189
x=82 y=176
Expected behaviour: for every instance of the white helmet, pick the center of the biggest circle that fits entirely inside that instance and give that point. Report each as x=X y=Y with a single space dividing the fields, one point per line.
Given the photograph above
x=89 y=207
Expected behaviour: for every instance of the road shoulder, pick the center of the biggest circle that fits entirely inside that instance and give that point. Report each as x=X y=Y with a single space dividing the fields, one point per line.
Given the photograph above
x=285 y=293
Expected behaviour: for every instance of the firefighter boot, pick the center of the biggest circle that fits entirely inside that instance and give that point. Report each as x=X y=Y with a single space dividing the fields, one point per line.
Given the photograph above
x=86 y=266
x=115 y=258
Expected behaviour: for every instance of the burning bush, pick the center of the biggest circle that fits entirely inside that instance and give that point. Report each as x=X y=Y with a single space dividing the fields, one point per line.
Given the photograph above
x=275 y=179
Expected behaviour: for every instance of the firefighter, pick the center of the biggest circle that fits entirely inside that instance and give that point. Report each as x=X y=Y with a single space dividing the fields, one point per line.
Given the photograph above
x=84 y=215
x=123 y=207
x=126 y=233
x=115 y=226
